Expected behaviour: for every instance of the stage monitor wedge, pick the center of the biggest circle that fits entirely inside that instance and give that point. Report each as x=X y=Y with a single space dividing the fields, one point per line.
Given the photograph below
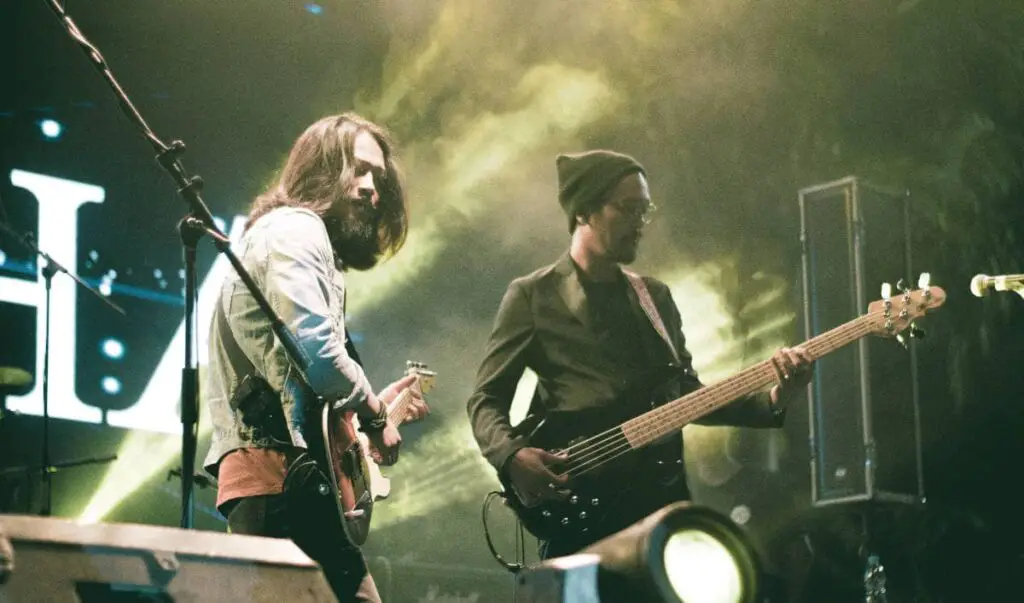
x=61 y=561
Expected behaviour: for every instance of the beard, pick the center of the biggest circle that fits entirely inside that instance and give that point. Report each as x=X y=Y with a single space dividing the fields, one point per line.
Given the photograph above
x=353 y=231
x=624 y=252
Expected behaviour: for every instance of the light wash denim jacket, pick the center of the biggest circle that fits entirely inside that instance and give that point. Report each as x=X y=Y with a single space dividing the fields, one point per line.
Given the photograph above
x=289 y=255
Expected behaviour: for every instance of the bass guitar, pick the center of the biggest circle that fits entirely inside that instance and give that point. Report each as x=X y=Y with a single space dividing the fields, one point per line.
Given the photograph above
x=608 y=473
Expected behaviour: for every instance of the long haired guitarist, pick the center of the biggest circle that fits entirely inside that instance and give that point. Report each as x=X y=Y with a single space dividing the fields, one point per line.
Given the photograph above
x=338 y=204
x=591 y=331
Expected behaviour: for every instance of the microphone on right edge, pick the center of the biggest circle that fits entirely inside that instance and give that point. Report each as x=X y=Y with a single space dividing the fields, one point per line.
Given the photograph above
x=981 y=283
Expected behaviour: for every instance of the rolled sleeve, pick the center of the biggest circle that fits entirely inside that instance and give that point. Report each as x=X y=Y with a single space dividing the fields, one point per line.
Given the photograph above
x=299 y=284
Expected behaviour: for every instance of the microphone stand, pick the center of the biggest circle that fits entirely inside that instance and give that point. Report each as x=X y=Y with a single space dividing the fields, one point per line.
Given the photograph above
x=197 y=222
x=49 y=269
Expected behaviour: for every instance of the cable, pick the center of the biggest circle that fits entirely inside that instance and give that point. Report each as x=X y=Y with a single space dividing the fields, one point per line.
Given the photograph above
x=520 y=550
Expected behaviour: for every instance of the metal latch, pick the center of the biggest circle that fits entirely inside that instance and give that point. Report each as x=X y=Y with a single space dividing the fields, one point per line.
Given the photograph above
x=163 y=567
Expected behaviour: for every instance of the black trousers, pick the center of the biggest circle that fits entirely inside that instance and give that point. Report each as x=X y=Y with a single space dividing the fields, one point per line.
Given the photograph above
x=311 y=521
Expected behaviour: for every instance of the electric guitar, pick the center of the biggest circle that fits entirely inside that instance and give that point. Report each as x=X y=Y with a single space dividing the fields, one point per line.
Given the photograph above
x=613 y=473
x=350 y=469
x=398 y=413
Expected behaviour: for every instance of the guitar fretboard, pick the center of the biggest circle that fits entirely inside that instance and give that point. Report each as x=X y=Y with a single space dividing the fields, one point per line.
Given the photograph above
x=667 y=418
x=663 y=420
x=398 y=408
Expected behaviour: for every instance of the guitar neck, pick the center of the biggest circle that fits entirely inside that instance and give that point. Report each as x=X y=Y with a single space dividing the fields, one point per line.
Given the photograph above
x=655 y=424
x=398 y=408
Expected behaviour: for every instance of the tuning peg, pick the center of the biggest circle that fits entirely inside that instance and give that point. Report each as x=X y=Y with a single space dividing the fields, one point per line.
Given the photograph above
x=916 y=332
x=924 y=281
x=901 y=286
x=886 y=290
x=900 y=339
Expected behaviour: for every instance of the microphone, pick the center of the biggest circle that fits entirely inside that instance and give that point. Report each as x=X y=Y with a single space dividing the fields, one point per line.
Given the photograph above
x=981 y=283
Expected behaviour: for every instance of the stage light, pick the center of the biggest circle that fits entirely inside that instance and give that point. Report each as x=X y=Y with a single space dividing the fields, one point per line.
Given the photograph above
x=51 y=128
x=111 y=385
x=701 y=569
x=112 y=348
x=740 y=514
x=679 y=554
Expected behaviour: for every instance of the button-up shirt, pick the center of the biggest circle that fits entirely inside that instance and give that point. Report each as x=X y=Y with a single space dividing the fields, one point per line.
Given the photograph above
x=289 y=255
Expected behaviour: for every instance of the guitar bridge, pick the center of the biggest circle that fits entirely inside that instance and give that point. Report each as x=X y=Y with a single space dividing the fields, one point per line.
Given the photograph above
x=354 y=514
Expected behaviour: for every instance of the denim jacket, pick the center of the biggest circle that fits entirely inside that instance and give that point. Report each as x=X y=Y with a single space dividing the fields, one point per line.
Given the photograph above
x=289 y=255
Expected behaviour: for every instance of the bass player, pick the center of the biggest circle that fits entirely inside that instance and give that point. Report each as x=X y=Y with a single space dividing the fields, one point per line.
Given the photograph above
x=588 y=328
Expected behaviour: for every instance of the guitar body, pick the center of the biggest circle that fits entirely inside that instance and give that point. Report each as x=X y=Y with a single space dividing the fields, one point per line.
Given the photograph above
x=348 y=472
x=356 y=480
x=610 y=492
x=380 y=486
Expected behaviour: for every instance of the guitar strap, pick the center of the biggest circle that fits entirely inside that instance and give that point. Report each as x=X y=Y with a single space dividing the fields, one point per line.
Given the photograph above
x=647 y=303
x=349 y=346
x=351 y=349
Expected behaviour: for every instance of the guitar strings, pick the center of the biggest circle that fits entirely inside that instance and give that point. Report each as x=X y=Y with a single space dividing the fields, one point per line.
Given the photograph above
x=763 y=371
x=618 y=443
x=704 y=391
x=404 y=399
x=605 y=449
x=653 y=420
x=613 y=443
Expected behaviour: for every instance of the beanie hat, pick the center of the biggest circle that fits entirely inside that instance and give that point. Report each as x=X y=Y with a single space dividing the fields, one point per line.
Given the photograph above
x=584 y=179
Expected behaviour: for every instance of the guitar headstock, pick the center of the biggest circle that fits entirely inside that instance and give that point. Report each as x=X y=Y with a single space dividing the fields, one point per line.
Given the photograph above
x=890 y=316
x=425 y=377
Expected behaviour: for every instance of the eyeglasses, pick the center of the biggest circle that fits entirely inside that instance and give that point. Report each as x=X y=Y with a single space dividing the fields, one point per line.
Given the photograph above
x=636 y=211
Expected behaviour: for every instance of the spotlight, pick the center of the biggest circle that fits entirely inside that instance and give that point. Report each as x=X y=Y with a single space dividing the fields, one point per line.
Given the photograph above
x=111 y=385
x=112 y=348
x=51 y=128
x=679 y=554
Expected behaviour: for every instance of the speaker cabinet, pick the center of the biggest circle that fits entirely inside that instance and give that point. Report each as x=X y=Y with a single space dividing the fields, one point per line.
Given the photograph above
x=60 y=561
x=865 y=429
